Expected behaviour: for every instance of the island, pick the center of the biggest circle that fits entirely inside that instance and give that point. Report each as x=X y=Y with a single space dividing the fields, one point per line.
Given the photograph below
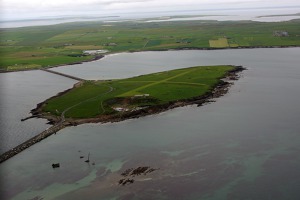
x=117 y=100
x=101 y=101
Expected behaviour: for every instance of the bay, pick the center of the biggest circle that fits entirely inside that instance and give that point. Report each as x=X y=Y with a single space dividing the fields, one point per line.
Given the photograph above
x=243 y=146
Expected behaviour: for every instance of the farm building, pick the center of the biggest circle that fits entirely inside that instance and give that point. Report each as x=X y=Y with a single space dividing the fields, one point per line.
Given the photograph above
x=142 y=95
x=280 y=33
x=94 y=52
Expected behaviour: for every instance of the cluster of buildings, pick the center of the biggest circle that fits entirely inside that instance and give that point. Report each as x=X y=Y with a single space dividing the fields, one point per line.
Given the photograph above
x=94 y=52
x=280 y=33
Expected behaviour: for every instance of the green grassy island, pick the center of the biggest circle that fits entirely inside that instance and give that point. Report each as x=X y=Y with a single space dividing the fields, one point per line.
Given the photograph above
x=131 y=97
x=117 y=100
x=47 y=46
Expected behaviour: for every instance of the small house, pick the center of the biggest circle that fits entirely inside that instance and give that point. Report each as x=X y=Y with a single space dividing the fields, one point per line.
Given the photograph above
x=280 y=33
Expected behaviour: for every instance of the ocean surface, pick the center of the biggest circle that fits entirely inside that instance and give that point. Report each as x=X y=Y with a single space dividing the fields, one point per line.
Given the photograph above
x=266 y=14
x=243 y=146
x=20 y=93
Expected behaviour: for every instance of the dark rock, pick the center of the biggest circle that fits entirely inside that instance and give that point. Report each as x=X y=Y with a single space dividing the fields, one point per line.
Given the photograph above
x=55 y=165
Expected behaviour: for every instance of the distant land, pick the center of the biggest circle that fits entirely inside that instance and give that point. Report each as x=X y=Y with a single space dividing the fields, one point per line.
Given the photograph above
x=38 y=47
x=282 y=15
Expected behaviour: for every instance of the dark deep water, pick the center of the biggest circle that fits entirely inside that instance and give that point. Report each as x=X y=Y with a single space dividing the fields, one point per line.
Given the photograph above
x=20 y=92
x=245 y=145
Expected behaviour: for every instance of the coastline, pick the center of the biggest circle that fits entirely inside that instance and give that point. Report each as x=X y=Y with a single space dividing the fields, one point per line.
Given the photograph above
x=58 y=123
x=98 y=57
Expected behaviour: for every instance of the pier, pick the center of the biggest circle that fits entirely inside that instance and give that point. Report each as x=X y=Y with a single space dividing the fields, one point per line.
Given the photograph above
x=62 y=74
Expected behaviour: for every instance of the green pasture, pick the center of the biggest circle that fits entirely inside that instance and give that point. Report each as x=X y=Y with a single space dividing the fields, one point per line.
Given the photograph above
x=53 y=45
x=94 y=98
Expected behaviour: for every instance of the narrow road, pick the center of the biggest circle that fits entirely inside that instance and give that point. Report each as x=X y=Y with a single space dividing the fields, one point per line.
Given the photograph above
x=69 y=108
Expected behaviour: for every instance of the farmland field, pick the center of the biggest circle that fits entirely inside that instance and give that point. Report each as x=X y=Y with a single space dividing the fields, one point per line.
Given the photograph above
x=45 y=46
x=219 y=43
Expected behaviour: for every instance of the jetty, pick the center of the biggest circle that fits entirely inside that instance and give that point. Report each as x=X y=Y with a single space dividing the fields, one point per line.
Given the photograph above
x=62 y=74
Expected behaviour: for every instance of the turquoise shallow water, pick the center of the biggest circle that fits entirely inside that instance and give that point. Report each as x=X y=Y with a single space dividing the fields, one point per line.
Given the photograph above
x=243 y=146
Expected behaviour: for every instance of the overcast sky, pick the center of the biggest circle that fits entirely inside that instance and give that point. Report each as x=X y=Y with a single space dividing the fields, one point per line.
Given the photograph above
x=11 y=9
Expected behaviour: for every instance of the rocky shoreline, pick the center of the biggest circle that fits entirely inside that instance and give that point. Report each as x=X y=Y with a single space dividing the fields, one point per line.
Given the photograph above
x=219 y=90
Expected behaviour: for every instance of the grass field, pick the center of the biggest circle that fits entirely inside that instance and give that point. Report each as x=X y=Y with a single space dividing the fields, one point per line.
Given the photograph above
x=96 y=98
x=22 y=48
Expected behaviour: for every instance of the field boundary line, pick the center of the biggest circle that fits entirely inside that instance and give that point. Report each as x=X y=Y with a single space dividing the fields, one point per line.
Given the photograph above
x=187 y=83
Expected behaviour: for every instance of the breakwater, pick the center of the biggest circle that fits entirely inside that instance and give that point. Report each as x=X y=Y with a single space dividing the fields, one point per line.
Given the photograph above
x=14 y=151
x=61 y=74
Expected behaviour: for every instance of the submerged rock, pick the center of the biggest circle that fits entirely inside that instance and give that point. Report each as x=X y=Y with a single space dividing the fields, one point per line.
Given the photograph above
x=55 y=165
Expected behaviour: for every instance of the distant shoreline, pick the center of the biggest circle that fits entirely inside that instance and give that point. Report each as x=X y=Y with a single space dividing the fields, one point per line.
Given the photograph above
x=98 y=57
x=57 y=20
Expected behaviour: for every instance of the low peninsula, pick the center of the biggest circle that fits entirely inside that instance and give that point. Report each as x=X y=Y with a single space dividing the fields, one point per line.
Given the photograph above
x=118 y=100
